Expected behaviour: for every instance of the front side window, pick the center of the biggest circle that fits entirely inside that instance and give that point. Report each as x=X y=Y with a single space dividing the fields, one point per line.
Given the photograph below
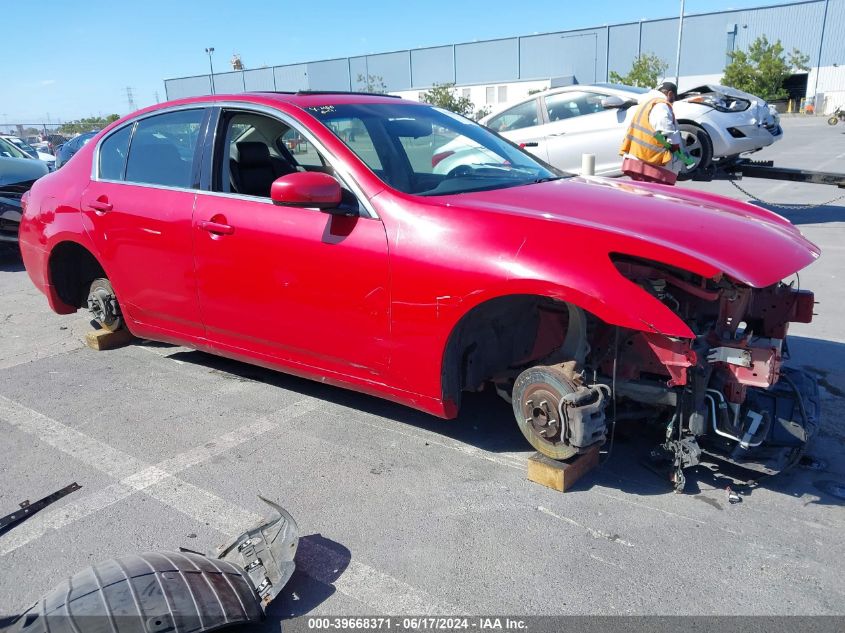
x=163 y=148
x=258 y=149
x=113 y=152
x=566 y=105
x=429 y=151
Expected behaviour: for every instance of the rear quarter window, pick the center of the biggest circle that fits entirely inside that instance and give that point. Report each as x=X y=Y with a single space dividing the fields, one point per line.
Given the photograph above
x=113 y=152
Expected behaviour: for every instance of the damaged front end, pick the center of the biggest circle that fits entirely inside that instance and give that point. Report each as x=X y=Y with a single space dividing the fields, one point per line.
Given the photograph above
x=722 y=393
x=183 y=592
x=725 y=392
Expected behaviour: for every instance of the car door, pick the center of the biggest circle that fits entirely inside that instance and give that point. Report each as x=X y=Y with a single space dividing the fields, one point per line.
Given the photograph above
x=522 y=125
x=295 y=285
x=577 y=124
x=138 y=209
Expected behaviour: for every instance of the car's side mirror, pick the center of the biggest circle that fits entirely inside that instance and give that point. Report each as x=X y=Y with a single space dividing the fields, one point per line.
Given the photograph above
x=306 y=189
x=609 y=103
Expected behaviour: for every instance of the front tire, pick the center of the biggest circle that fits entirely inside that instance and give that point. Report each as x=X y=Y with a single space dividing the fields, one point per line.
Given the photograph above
x=697 y=144
x=833 y=120
x=103 y=305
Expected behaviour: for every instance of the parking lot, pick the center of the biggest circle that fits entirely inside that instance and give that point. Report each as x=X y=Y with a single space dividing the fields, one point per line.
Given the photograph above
x=402 y=513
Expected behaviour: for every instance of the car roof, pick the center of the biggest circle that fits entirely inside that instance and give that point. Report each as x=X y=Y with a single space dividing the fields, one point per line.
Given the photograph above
x=617 y=89
x=301 y=100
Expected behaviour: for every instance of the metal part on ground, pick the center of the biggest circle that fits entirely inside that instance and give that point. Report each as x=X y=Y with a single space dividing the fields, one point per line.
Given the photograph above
x=743 y=167
x=28 y=509
x=767 y=169
x=266 y=552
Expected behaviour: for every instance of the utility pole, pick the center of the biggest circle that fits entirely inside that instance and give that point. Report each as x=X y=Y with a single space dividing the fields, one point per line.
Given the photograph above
x=819 y=61
x=680 y=39
x=209 y=51
x=130 y=99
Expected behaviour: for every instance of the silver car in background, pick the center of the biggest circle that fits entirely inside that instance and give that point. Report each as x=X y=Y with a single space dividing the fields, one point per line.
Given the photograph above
x=560 y=125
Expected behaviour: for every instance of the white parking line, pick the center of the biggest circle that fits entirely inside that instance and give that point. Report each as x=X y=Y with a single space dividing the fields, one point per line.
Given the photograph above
x=386 y=594
x=134 y=475
x=382 y=592
x=591 y=531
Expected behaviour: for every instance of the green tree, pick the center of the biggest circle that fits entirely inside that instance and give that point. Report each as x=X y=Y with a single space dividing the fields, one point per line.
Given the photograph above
x=763 y=69
x=482 y=112
x=645 y=72
x=87 y=124
x=445 y=96
x=372 y=83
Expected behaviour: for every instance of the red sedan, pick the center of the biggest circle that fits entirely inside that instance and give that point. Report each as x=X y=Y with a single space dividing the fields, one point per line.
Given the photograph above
x=356 y=262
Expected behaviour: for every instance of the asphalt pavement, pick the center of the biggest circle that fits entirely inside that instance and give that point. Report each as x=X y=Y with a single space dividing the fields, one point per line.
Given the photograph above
x=402 y=513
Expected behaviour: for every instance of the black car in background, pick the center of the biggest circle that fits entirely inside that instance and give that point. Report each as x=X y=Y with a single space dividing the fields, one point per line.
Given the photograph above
x=16 y=177
x=66 y=150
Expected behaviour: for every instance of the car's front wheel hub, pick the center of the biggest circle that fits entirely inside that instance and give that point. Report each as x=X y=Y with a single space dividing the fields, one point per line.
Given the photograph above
x=537 y=395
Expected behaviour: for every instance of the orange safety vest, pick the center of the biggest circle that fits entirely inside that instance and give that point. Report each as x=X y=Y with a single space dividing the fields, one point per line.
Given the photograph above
x=639 y=141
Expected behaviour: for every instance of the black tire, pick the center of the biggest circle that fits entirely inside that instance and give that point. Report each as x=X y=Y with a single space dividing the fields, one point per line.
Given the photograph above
x=697 y=143
x=102 y=303
x=833 y=120
x=547 y=384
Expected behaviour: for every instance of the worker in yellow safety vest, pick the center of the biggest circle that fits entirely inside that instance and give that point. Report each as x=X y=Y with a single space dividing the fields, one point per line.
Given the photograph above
x=645 y=157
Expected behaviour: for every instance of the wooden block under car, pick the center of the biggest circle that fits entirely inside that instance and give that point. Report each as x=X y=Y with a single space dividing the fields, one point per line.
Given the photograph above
x=103 y=339
x=561 y=476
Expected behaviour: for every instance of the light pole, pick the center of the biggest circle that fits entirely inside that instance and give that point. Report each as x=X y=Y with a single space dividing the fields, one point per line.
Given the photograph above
x=680 y=38
x=209 y=51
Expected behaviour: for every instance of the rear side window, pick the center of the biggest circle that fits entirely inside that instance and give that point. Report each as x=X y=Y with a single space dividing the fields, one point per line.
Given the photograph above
x=567 y=105
x=113 y=153
x=524 y=115
x=163 y=149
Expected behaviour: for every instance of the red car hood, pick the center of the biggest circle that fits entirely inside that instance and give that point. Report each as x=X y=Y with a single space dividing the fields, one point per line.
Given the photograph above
x=750 y=244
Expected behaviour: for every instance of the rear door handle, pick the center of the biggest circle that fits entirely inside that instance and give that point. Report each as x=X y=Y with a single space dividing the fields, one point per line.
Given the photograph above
x=100 y=206
x=217 y=228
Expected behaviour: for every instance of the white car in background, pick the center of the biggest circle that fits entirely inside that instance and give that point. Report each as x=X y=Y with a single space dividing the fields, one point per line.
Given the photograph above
x=560 y=125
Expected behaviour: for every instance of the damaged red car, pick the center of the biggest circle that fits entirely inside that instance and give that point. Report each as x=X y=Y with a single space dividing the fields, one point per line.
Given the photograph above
x=313 y=233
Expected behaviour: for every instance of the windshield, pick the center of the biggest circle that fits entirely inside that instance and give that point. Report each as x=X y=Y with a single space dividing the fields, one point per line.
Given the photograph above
x=428 y=151
x=10 y=151
x=21 y=145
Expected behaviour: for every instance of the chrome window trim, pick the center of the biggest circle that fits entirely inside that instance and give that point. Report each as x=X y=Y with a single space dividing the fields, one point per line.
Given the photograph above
x=338 y=165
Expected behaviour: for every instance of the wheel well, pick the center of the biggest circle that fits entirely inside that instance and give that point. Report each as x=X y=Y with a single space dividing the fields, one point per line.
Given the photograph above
x=72 y=269
x=500 y=337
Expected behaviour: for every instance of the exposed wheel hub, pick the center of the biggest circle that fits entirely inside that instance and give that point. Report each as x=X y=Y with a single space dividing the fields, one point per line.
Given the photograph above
x=103 y=306
x=536 y=404
x=540 y=412
x=556 y=412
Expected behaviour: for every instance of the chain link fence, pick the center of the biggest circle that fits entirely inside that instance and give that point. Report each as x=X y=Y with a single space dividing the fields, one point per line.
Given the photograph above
x=44 y=137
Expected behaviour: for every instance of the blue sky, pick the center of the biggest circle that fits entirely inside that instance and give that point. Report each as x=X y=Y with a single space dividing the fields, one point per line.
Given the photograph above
x=69 y=59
